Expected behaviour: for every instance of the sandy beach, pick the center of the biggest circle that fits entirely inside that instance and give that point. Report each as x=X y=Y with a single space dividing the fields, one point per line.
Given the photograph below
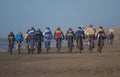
x=63 y=64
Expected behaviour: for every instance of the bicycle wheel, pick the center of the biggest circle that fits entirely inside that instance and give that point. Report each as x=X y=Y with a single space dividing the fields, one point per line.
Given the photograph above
x=91 y=45
x=39 y=47
x=10 y=48
x=18 y=48
x=47 y=44
x=70 y=45
x=58 y=44
x=100 y=44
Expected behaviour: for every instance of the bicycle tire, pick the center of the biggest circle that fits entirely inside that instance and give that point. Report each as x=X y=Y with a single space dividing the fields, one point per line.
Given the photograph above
x=70 y=45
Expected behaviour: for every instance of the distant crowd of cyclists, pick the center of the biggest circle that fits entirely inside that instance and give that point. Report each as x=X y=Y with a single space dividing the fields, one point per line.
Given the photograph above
x=34 y=38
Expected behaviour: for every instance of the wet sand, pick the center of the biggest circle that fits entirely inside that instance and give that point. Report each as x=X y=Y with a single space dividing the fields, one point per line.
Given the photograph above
x=63 y=64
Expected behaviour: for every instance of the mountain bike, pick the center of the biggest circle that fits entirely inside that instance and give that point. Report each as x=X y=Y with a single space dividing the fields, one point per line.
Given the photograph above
x=70 y=44
x=38 y=45
x=31 y=47
x=100 y=43
x=91 y=42
x=80 y=43
x=18 y=46
x=58 y=44
x=11 y=45
x=47 y=45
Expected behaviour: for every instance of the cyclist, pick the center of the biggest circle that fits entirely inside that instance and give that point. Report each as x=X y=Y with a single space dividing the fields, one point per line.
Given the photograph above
x=19 y=38
x=11 y=39
x=39 y=39
x=100 y=33
x=70 y=36
x=90 y=32
x=80 y=35
x=111 y=38
x=58 y=34
x=26 y=37
x=31 y=40
x=47 y=37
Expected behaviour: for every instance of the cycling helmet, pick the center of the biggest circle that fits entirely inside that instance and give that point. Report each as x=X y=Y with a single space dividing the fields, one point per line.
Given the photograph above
x=32 y=28
x=79 y=27
x=90 y=25
x=38 y=29
x=58 y=28
x=70 y=29
x=100 y=27
x=47 y=28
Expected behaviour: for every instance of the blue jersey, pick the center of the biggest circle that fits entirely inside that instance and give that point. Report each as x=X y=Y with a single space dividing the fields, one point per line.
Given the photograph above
x=31 y=36
x=48 y=34
x=79 y=32
x=19 y=37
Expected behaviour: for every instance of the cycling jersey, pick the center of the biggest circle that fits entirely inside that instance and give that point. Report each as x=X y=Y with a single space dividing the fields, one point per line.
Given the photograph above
x=70 y=33
x=48 y=35
x=39 y=36
x=58 y=32
x=90 y=31
x=19 y=37
x=79 y=32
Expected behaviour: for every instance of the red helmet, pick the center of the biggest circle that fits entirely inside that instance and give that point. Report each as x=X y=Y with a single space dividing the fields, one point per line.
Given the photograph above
x=70 y=29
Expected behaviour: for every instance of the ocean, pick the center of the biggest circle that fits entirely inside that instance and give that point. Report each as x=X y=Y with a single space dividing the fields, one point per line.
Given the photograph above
x=4 y=44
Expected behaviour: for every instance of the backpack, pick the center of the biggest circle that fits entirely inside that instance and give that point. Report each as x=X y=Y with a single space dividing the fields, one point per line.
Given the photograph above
x=58 y=33
x=69 y=33
x=79 y=32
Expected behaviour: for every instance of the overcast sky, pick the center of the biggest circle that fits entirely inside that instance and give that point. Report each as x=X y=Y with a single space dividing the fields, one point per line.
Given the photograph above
x=20 y=15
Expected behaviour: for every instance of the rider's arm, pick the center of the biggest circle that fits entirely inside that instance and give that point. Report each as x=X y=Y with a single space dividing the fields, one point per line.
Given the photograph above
x=62 y=34
x=22 y=37
x=66 y=35
x=54 y=34
x=41 y=36
x=83 y=34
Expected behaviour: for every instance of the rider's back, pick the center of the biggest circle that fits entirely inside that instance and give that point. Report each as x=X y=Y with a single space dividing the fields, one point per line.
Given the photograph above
x=39 y=36
x=11 y=36
x=19 y=37
x=90 y=31
x=58 y=33
x=48 y=34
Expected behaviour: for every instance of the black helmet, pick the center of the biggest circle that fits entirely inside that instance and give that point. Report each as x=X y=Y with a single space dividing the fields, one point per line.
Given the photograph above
x=11 y=32
x=58 y=28
x=100 y=27
x=79 y=27
x=47 y=28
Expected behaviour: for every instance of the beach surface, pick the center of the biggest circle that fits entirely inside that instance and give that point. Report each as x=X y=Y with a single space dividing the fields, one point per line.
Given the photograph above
x=63 y=64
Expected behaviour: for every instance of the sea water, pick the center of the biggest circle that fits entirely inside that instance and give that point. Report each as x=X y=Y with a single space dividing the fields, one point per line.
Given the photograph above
x=4 y=44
